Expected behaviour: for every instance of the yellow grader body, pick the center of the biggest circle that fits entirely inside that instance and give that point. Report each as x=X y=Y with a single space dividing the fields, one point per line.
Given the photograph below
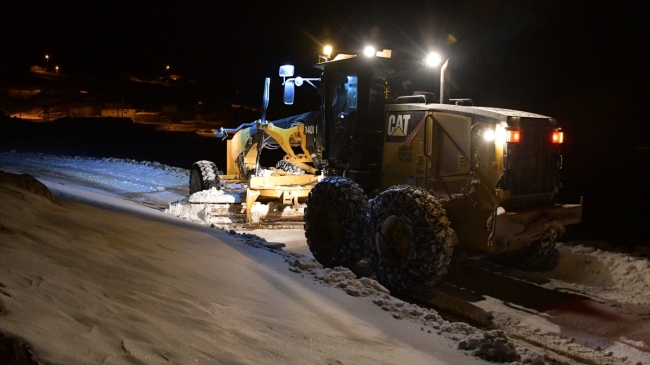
x=388 y=174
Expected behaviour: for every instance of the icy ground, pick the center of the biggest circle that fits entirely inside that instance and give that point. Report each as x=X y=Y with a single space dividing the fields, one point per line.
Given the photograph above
x=132 y=285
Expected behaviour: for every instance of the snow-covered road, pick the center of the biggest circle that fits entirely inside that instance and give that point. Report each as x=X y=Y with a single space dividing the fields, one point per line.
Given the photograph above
x=147 y=182
x=593 y=308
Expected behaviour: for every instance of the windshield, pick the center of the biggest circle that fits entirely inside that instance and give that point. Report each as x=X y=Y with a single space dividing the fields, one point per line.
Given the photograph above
x=342 y=107
x=389 y=84
x=354 y=110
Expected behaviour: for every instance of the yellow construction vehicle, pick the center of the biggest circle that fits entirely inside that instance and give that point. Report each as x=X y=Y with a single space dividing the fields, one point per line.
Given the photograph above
x=398 y=176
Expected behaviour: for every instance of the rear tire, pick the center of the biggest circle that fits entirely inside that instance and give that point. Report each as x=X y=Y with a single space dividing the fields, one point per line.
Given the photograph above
x=203 y=176
x=335 y=222
x=409 y=243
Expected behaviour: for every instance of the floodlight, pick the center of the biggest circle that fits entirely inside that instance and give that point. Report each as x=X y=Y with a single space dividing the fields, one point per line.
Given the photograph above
x=327 y=50
x=433 y=59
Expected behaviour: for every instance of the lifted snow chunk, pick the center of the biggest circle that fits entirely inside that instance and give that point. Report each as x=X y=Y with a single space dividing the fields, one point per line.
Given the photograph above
x=215 y=196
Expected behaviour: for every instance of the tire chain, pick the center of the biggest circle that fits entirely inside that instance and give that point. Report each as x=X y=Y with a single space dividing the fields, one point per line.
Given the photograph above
x=339 y=243
x=431 y=238
x=289 y=168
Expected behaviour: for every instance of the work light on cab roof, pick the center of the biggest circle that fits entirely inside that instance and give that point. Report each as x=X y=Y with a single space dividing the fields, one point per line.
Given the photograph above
x=433 y=59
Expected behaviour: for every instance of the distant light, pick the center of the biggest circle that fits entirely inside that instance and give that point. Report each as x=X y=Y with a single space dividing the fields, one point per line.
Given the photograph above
x=488 y=135
x=369 y=51
x=57 y=69
x=167 y=68
x=327 y=50
x=47 y=57
x=433 y=59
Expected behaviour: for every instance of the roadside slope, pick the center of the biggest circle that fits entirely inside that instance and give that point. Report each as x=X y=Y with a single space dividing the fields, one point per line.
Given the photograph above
x=120 y=283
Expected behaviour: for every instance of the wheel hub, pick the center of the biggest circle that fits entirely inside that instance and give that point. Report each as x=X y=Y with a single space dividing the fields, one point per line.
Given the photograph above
x=393 y=240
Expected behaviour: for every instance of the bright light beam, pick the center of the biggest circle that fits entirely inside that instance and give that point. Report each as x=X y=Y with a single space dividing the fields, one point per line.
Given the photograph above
x=433 y=59
x=369 y=51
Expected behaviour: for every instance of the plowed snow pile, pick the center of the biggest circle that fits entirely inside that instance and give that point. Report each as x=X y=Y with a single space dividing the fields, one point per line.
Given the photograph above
x=621 y=277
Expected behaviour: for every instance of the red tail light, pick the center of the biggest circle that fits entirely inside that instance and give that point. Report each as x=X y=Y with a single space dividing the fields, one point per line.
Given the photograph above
x=513 y=136
x=558 y=137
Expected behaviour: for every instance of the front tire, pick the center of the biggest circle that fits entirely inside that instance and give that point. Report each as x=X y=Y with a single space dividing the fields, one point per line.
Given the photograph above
x=203 y=176
x=409 y=243
x=335 y=220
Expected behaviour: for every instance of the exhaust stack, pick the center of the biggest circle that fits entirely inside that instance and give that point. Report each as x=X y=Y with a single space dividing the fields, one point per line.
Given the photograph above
x=442 y=82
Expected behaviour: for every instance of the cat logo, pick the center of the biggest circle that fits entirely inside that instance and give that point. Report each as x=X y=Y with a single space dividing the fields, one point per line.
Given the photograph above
x=398 y=125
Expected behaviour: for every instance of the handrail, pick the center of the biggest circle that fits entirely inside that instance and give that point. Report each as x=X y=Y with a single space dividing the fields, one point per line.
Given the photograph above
x=223 y=132
x=406 y=99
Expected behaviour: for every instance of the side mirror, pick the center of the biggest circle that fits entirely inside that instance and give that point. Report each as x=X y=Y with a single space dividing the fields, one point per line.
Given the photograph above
x=265 y=98
x=286 y=71
x=289 y=91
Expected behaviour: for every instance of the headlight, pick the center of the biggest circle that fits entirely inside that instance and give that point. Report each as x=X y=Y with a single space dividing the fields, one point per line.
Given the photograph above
x=488 y=135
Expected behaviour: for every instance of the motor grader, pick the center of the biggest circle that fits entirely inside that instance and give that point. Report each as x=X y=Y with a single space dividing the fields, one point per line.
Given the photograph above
x=400 y=177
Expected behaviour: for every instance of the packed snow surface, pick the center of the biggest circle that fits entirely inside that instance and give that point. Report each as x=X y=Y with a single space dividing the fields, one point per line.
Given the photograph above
x=98 y=279
x=141 y=181
x=95 y=278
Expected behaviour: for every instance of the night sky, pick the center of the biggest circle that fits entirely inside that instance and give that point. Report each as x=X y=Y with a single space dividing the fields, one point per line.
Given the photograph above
x=584 y=63
x=501 y=52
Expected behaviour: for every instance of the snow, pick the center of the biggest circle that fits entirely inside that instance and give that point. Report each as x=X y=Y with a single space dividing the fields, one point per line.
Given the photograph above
x=141 y=181
x=98 y=276
x=93 y=278
x=603 y=274
x=215 y=196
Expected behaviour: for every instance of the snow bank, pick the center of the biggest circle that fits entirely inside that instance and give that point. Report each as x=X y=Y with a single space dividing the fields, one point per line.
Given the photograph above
x=28 y=183
x=603 y=274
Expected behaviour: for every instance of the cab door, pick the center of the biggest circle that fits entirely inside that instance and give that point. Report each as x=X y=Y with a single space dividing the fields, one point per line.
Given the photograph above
x=449 y=160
